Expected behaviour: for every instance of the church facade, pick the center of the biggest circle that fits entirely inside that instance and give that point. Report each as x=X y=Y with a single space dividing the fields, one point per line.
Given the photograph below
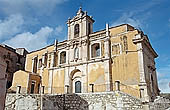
x=92 y=62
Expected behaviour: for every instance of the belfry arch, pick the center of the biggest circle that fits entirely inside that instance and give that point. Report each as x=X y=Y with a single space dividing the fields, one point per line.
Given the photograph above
x=76 y=81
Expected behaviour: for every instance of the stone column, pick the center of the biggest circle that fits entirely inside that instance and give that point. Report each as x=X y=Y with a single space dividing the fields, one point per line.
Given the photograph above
x=117 y=85
x=107 y=73
x=142 y=69
x=51 y=73
x=107 y=67
x=50 y=82
x=107 y=29
x=84 y=78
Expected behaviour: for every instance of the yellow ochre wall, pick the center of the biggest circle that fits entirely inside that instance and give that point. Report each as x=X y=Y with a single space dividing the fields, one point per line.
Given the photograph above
x=38 y=53
x=96 y=76
x=124 y=67
x=20 y=78
x=58 y=81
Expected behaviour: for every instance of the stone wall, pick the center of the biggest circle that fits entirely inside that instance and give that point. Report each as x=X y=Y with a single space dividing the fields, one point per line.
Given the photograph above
x=160 y=103
x=85 y=101
x=23 y=102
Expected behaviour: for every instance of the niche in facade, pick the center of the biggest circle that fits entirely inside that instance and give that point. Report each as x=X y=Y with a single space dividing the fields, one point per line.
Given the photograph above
x=76 y=30
x=76 y=53
x=62 y=57
x=95 y=50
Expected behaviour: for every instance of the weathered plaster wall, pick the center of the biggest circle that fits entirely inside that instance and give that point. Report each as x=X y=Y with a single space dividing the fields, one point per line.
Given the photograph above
x=101 y=71
x=96 y=76
x=38 y=53
x=2 y=83
x=58 y=81
x=24 y=79
x=125 y=64
x=20 y=79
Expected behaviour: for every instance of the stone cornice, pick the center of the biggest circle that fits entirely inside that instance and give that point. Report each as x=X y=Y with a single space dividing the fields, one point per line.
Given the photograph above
x=79 y=63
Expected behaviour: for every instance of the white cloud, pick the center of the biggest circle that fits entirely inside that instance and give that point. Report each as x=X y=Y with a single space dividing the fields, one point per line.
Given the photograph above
x=128 y=18
x=10 y=26
x=32 y=41
x=58 y=30
x=164 y=85
x=164 y=78
x=28 y=6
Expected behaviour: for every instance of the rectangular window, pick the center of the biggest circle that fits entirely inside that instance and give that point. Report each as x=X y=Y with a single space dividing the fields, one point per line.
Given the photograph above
x=89 y=28
x=35 y=65
x=116 y=49
x=62 y=57
x=45 y=60
x=40 y=63
x=95 y=50
x=32 y=87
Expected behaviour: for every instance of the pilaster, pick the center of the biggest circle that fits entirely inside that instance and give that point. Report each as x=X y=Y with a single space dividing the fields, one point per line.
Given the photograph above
x=66 y=80
x=142 y=84
x=107 y=64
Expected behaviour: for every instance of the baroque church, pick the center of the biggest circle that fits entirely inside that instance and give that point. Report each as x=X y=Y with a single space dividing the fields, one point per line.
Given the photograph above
x=92 y=62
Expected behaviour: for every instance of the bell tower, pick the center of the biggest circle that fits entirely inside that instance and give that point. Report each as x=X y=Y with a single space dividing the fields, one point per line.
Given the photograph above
x=80 y=25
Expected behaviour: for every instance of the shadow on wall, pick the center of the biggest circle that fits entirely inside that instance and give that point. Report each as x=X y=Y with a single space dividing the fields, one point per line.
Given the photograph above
x=64 y=102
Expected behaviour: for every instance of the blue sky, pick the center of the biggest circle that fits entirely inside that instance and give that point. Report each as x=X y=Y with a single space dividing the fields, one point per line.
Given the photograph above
x=34 y=24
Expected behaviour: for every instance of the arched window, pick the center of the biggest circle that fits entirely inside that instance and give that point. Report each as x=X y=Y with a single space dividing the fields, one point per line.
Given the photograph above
x=76 y=52
x=95 y=50
x=62 y=57
x=77 y=87
x=76 y=30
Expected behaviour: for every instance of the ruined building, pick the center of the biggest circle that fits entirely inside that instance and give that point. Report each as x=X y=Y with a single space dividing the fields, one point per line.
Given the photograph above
x=92 y=62
x=11 y=60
